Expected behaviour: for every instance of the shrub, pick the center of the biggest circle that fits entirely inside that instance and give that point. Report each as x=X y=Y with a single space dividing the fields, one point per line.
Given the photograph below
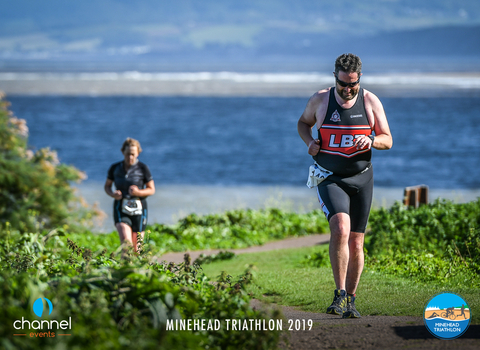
x=433 y=243
x=118 y=303
x=431 y=227
x=35 y=191
x=236 y=229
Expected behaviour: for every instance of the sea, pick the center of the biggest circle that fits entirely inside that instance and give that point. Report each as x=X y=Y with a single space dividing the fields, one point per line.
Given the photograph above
x=239 y=146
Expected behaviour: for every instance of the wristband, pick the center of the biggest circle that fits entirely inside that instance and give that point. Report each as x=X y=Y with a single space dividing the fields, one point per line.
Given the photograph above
x=371 y=137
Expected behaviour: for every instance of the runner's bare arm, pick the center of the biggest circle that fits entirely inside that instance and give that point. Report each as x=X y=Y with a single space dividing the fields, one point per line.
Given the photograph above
x=308 y=120
x=383 y=137
x=144 y=192
x=108 y=190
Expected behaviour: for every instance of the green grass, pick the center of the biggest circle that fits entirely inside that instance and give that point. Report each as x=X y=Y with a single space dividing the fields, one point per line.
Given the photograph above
x=282 y=278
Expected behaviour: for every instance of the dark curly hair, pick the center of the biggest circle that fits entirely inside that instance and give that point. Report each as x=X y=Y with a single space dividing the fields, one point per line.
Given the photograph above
x=348 y=63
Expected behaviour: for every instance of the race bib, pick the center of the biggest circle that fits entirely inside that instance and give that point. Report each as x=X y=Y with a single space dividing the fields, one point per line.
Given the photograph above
x=131 y=206
x=317 y=174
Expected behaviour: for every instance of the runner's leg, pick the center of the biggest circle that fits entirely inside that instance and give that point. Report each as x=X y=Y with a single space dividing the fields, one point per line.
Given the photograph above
x=135 y=239
x=335 y=203
x=138 y=227
x=355 y=262
x=339 y=248
x=360 y=205
x=124 y=232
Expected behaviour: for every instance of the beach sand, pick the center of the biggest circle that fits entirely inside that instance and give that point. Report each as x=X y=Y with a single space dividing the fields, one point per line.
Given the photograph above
x=429 y=313
x=233 y=84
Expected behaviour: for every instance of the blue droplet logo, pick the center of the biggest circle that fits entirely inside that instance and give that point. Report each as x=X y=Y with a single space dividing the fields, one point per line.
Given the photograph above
x=38 y=306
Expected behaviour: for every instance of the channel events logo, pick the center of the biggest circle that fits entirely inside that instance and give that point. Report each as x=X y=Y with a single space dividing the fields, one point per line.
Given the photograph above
x=447 y=316
x=38 y=307
x=42 y=307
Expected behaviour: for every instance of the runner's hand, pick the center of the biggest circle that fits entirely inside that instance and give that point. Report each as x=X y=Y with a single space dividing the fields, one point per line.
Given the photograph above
x=314 y=147
x=363 y=142
x=134 y=191
x=117 y=195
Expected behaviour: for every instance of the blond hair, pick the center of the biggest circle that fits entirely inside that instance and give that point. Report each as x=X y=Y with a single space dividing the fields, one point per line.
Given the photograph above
x=129 y=142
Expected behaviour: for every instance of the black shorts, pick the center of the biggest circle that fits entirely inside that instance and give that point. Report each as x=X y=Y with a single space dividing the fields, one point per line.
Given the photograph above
x=351 y=195
x=138 y=223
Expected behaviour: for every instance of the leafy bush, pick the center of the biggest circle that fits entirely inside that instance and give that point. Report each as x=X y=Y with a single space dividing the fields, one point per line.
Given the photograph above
x=35 y=191
x=229 y=230
x=236 y=229
x=116 y=304
x=431 y=227
x=433 y=243
x=317 y=259
x=424 y=267
x=207 y=259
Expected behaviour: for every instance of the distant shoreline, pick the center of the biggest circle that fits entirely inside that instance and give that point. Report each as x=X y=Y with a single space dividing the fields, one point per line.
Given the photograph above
x=232 y=84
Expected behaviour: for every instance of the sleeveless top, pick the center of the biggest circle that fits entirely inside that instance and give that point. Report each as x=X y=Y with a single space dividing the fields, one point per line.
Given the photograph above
x=337 y=134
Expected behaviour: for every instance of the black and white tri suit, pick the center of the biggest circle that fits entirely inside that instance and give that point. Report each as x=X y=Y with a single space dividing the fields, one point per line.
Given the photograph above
x=350 y=188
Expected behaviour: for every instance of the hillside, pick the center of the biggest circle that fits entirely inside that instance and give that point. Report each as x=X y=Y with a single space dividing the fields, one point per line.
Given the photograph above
x=190 y=32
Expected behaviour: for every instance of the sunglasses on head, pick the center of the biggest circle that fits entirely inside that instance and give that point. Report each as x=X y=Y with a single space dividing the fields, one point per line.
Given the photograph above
x=344 y=84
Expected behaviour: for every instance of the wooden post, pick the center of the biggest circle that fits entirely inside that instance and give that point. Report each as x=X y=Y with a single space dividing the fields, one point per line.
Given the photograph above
x=414 y=196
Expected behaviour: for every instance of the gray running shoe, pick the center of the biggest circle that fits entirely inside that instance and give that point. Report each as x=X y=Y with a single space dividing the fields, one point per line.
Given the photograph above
x=350 y=310
x=339 y=303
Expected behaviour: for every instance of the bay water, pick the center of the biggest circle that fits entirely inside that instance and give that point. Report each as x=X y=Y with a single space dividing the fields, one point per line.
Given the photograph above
x=210 y=153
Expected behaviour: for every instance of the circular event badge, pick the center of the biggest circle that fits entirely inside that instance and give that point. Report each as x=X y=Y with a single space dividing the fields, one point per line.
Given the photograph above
x=447 y=316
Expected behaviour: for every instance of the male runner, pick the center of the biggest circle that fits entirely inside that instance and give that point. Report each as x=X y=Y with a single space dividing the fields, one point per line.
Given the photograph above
x=345 y=116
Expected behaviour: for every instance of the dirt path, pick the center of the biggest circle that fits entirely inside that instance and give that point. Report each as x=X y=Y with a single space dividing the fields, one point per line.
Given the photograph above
x=295 y=242
x=370 y=332
x=333 y=332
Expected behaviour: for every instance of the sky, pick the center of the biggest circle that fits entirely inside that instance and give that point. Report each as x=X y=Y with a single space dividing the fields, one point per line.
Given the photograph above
x=446 y=300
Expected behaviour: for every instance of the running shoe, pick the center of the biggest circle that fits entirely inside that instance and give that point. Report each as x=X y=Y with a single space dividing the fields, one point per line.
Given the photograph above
x=339 y=303
x=350 y=310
